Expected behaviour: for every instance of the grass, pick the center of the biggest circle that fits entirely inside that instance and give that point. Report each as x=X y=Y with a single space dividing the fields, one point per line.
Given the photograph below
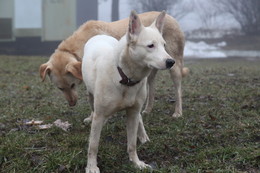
x=219 y=131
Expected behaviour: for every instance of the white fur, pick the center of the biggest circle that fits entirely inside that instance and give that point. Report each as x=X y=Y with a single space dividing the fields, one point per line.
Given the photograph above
x=108 y=95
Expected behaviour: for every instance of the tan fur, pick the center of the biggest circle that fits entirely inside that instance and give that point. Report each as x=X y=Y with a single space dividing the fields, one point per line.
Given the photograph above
x=71 y=49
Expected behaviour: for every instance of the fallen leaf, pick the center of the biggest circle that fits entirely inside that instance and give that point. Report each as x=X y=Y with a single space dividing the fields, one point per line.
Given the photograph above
x=33 y=122
x=63 y=125
x=58 y=123
x=45 y=126
x=230 y=74
x=26 y=87
x=212 y=117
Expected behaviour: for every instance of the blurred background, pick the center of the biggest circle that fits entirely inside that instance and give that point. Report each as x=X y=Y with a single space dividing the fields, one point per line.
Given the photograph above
x=216 y=28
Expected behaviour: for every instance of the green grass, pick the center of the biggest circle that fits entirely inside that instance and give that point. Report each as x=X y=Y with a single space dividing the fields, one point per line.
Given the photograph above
x=219 y=131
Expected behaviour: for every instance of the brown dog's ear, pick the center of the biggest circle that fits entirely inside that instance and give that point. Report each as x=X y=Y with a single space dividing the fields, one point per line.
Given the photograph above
x=159 y=22
x=44 y=70
x=75 y=69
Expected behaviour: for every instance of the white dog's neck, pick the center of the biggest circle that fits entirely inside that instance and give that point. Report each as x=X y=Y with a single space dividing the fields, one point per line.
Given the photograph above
x=132 y=69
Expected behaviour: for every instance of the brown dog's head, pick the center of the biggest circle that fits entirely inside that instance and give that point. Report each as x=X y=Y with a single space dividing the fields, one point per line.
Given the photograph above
x=65 y=72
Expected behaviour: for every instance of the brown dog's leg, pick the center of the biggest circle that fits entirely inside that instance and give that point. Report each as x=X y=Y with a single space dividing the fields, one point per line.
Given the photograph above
x=141 y=133
x=176 y=75
x=91 y=102
x=150 y=95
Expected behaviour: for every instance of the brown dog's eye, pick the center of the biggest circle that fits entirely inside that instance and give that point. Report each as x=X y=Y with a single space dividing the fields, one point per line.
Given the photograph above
x=72 y=86
x=62 y=89
x=150 y=45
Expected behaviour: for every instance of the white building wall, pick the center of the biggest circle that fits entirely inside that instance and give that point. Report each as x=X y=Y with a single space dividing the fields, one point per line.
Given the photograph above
x=6 y=8
x=59 y=19
x=28 y=13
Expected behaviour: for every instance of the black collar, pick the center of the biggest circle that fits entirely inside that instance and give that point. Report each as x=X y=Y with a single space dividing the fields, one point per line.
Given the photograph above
x=125 y=80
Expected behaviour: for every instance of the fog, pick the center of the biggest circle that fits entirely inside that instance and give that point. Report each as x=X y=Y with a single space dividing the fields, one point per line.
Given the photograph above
x=28 y=14
x=203 y=33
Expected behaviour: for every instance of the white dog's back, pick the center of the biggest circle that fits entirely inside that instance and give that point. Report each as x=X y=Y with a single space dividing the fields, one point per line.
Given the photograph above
x=97 y=47
x=99 y=44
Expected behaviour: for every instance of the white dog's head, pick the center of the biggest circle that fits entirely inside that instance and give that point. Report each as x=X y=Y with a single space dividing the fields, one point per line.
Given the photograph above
x=146 y=44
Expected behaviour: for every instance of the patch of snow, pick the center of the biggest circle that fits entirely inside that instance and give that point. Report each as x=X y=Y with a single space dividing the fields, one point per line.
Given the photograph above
x=201 y=33
x=242 y=53
x=204 y=50
x=221 y=44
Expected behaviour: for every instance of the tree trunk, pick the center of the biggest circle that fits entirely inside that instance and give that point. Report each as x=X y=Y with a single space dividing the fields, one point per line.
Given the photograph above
x=115 y=10
x=86 y=10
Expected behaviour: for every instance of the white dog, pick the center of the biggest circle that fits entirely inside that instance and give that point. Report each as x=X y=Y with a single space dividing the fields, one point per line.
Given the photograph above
x=115 y=73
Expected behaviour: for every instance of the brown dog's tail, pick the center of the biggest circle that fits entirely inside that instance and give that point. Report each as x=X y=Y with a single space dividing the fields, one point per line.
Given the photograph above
x=185 y=71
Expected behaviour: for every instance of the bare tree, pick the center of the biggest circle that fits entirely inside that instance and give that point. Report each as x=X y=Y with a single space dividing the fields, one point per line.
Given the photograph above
x=207 y=13
x=181 y=8
x=246 y=12
x=114 y=9
x=159 y=5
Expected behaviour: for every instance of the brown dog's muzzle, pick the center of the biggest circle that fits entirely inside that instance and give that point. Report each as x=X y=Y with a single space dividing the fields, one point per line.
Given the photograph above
x=72 y=102
x=71 y=97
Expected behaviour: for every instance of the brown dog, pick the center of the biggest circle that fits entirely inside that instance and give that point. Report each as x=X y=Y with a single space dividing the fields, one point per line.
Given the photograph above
x=64 y=65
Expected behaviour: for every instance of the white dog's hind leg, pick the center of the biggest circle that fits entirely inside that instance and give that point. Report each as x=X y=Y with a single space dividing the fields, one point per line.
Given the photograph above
x=133 y=118
x=96 y=127
x=176 y=75
x=141 y=133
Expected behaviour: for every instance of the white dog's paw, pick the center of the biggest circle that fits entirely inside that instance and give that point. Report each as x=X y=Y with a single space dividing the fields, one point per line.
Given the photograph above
x=143 y=138
x=176 y=115
x=142 y=165
x=92 y=170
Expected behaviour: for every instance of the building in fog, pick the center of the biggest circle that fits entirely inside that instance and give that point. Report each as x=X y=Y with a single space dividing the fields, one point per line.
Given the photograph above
x=37 y=26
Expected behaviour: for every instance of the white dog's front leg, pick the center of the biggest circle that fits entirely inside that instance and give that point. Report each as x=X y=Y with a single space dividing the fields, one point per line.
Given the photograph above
x=96 y=127
x=133 y=118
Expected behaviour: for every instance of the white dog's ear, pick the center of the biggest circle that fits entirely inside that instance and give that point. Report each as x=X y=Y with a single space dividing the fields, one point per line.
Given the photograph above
x=159 y=22
x=135 y=26
x=75 y=69
x=44 y=70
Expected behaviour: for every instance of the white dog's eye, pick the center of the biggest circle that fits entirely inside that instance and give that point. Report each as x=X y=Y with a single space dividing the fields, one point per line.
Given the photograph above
x=150 y=45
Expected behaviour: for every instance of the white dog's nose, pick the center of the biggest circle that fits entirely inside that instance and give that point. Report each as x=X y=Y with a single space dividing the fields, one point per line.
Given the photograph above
x=169 y=63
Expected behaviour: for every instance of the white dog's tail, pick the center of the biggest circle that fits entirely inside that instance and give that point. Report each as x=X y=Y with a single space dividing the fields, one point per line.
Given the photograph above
x=185 y=71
